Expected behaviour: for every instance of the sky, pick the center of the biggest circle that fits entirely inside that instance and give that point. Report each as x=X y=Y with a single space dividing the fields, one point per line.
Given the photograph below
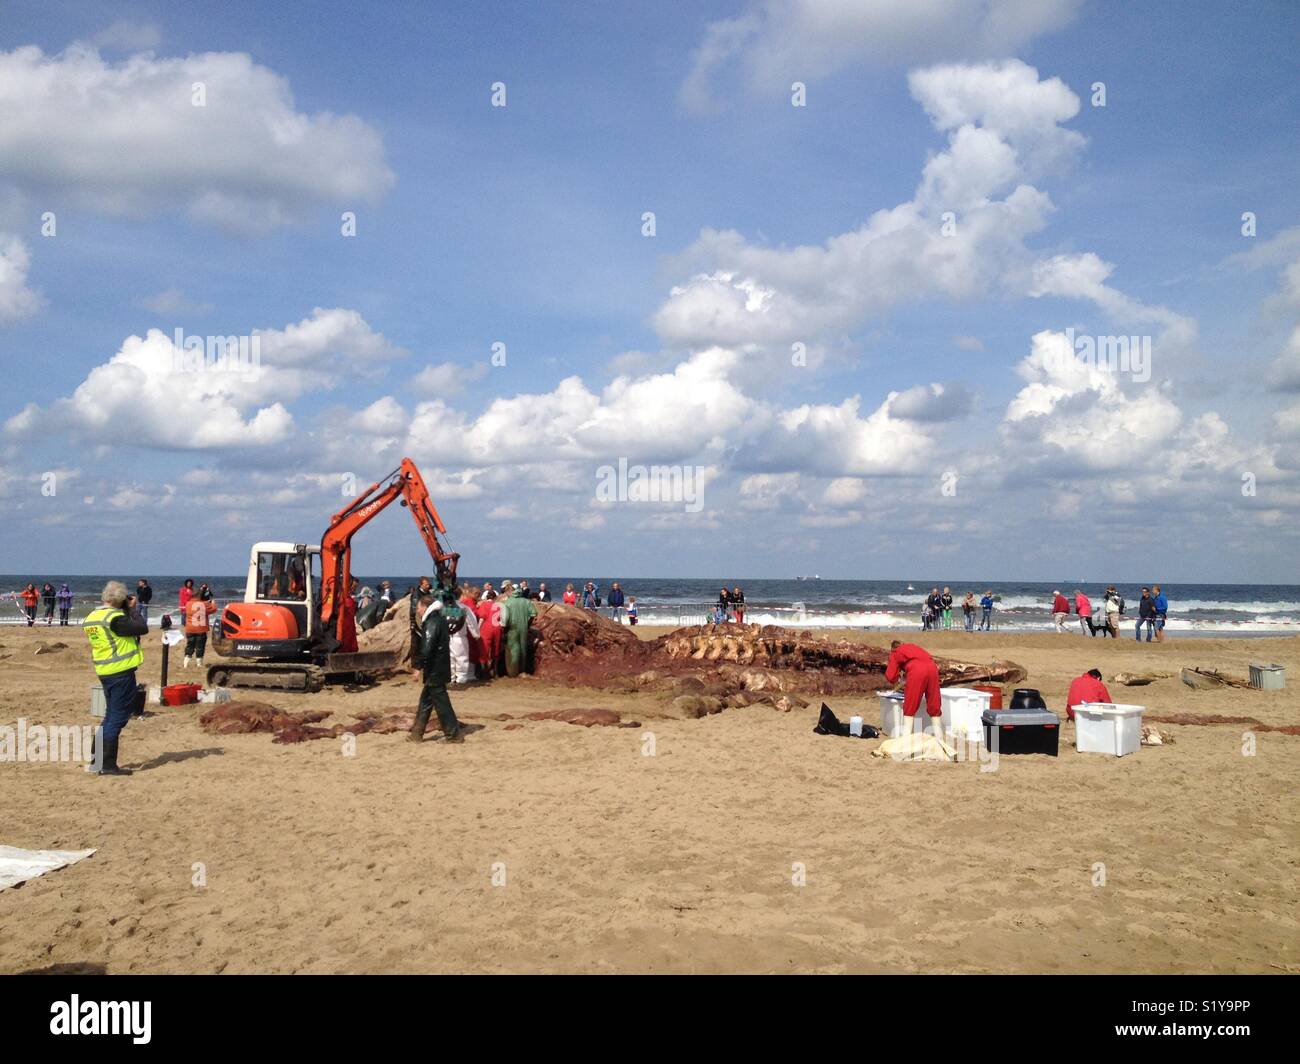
x=997 y=289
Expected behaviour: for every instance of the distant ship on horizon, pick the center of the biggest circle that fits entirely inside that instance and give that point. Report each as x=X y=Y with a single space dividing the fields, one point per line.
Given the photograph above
x=813 y=577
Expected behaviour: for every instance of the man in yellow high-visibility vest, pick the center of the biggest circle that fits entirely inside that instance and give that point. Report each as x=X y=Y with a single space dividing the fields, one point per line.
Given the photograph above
x=114 y=635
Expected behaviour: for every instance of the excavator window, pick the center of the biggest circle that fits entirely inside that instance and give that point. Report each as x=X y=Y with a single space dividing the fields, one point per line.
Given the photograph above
x=280 y=577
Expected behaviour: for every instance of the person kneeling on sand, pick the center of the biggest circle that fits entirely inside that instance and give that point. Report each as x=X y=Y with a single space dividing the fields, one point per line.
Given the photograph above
x=433 y=655
x=1086 y=688
x=922 y=679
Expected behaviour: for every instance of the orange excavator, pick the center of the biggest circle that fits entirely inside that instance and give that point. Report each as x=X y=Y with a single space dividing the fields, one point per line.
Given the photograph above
x=293 y=630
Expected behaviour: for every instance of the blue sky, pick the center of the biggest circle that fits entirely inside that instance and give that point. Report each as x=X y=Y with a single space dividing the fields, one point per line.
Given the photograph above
x=940 y=422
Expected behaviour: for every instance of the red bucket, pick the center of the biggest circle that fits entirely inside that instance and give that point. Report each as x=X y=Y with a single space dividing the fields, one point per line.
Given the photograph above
x=181 y=694
x=996 y=701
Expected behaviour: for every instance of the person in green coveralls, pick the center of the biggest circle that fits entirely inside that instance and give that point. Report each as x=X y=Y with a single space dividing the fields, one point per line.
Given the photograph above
x=516 y=614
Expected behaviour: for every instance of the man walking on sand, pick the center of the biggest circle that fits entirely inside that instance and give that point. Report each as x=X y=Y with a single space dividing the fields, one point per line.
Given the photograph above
x=433 y=654
x=922 y=680
x=1060 y=610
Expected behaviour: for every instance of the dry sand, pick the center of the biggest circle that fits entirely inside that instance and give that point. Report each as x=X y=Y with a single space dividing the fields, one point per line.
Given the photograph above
x=680 y=862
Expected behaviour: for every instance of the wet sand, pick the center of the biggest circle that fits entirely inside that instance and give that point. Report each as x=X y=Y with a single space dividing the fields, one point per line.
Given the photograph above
x=686 y=861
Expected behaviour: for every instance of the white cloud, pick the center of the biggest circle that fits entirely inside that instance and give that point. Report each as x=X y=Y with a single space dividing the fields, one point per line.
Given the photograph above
x=152 y=394
x=125 y=139
x=329 y=339
x=1084 y=276
x=775 y=42
x=17 y=300
x=1002 y=121
x=836 y=440
x=1075 y=415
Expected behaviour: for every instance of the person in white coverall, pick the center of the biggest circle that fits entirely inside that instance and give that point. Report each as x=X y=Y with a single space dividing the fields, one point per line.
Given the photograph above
x=462 y=669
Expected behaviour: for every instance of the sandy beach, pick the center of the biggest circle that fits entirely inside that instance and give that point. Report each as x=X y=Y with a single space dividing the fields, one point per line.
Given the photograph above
x=685 y=861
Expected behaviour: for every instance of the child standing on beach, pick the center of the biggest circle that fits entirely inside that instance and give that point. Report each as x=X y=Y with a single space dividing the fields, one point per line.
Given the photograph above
x=631 y=610
x=968 y=609
x=986 y=604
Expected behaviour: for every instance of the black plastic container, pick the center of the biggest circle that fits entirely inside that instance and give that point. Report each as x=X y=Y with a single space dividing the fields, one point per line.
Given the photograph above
x=1027 y=698
x=1021 y=731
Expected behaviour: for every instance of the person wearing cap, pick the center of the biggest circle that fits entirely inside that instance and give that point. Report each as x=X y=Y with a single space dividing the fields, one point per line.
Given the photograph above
x=1114 y=609
x=921 y=678
x=1060 y=610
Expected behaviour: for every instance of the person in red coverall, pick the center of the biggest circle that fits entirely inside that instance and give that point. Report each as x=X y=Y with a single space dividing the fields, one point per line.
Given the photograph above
x=1086 y=688
x=488 y=612
x=922 y=678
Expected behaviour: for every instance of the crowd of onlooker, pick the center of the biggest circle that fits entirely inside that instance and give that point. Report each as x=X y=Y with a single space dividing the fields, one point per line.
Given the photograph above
x=31 y=599
x=1103 y=619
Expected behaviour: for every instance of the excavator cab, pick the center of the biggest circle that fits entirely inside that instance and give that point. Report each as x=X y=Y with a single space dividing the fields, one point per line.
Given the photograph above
x=278 y=617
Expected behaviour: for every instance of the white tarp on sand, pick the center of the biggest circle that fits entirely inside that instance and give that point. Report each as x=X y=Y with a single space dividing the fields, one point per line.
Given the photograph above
x=18 y=866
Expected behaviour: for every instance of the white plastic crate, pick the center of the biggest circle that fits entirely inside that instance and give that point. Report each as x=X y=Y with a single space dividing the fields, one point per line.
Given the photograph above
x=98 y=706
x=1107 y=728
x=1267 y=677
x=963 y=712
x=893 y=723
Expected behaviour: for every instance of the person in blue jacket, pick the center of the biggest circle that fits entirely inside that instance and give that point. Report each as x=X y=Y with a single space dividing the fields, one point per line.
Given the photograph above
x=986 y=604
x=616 y=601
x=1162 y=611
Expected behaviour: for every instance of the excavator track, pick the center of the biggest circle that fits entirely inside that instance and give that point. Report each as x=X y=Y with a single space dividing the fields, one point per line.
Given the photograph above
x=267 y=675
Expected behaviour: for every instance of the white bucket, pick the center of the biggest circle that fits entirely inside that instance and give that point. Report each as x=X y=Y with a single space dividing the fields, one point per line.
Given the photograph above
x=1107 y=728
x=892 y=722
x=98 y=706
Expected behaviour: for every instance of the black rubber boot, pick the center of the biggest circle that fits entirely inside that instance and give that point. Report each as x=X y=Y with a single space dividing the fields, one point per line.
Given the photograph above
x=446 y=715
x=110 y=768
x=422 y=716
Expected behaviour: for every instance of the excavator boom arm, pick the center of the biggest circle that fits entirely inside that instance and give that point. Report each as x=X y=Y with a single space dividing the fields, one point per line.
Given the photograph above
x=404 y=483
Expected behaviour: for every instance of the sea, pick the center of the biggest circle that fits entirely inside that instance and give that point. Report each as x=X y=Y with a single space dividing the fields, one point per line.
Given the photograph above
x=887 y=605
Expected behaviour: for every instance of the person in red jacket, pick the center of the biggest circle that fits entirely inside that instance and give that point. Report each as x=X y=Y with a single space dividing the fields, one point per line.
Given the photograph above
x=1084 y=609
x=922 y=677
x=1060 y=610
x=1086 y=688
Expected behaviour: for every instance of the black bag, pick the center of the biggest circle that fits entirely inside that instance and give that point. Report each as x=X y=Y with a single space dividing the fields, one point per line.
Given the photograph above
x=829 y=724
x=138 y=700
